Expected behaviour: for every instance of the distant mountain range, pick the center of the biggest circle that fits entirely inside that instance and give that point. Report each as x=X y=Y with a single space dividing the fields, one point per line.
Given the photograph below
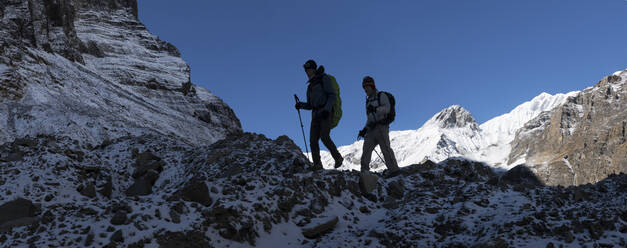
x=539 y=133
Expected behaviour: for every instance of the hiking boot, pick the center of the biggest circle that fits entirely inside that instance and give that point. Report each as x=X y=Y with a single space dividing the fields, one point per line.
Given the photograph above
x=338 y=163
x=316 y=167
x=391 y=174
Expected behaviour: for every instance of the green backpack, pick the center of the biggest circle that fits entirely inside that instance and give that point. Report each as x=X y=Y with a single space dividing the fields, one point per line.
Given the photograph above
x=337 y=107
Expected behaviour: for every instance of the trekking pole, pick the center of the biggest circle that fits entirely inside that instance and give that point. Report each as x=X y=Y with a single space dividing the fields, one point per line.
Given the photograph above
x=302 y=128
x=375 y=150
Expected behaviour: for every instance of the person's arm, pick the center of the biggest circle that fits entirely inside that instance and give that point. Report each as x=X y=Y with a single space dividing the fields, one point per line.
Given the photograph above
x=384 y=108
x=327 y=86
x=307 y=105
x=370 y=119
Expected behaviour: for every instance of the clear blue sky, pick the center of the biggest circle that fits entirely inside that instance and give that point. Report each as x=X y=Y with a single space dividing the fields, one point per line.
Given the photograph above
x=487 y=56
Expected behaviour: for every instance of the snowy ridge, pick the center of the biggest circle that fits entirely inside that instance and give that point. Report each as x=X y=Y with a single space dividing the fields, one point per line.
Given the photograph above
x=498 y=132
x=453 y=132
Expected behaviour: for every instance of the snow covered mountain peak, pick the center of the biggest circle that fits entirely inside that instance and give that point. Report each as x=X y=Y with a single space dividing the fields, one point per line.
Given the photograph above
x=502 y=129
x=453 y=132
x=454 y=116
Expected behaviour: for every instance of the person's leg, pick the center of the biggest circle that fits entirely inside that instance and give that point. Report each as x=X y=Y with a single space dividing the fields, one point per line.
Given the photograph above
x=369 y=145
x=314 y=136
x=325 y=135
x=383 y=133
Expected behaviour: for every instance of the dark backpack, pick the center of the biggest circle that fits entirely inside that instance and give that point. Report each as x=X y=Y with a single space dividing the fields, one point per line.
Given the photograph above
x=389 y=118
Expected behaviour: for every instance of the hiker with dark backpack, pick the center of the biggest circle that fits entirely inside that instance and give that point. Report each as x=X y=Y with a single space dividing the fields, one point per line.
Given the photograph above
x=380 y=111
x=323 y=101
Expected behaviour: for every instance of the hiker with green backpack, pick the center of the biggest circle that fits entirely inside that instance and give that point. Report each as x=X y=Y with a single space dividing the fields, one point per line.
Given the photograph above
x=325 y=105
x=380 y=111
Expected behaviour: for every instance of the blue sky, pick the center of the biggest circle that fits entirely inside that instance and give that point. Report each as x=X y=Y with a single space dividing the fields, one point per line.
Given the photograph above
x=487 y=55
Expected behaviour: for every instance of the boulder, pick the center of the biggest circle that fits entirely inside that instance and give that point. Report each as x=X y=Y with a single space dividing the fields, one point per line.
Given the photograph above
x=16 y=209
x=320 y=229
x=367 y=182
x=196 y=191
x=520 y=174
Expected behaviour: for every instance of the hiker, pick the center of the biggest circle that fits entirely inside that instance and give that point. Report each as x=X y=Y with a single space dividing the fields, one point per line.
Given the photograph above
x=379 y=105
x=321 y=98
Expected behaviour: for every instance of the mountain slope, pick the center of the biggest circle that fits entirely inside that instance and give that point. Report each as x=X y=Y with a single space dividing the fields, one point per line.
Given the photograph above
x=250 y=191
x=581 y=141
x=91 y=71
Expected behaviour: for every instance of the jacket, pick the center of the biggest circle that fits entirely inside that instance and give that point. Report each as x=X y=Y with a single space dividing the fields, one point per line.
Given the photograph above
x=320 y=94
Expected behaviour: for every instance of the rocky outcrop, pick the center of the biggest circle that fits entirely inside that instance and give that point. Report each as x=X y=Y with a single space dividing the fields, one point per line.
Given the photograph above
x=581 y=141
x=91 y=71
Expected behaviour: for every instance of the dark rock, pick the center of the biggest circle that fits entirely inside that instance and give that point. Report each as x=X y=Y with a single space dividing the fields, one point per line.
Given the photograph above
x=176 y=217
x=75 y=155
x=595 y=230
x=367 y=182
x=364 y=210
x=89 y=240
x=139 y=187
x=89 y=191
x=145 y=158
x=432 y=210
x=107 y=188
x=396 y=189
x=448 y=228
x=12 y=157
x=564 y=232
x=196 y=191
x=180 y=208
x=17 y=209
x=520 y=174
x=47 y=217
x=320 y=229
x=26 y=142
x=48 y=197
x=119 y=218
x=391 y=203
x=117 y=237
x=580 y=195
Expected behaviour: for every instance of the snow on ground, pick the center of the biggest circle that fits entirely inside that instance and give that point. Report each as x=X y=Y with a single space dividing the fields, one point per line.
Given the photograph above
x=262 y=195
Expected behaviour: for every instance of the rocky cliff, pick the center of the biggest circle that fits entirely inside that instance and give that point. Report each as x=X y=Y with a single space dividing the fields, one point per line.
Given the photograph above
x=583 y=140
x=91 y=71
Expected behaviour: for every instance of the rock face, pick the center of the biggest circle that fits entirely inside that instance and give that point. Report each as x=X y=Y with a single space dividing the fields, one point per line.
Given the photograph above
x=91 y=71
x=581 y=141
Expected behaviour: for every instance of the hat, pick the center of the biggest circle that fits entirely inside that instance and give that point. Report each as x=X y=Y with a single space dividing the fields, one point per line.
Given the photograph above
x=310 y=64
x=368 y=81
